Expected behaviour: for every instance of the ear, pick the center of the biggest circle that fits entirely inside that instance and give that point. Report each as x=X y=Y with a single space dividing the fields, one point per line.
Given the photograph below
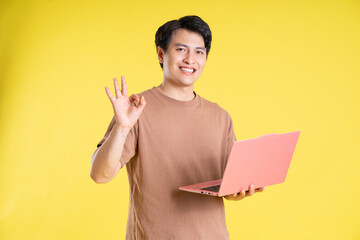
x=160 y=54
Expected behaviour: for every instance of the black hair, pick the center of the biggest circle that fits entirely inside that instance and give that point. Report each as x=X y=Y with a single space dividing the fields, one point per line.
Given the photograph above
x=192 y=23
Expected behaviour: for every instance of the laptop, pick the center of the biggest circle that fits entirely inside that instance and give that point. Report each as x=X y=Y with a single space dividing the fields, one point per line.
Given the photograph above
x=261 y=161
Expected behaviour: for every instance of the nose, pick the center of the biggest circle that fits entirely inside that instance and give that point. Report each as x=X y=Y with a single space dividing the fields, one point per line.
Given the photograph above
x=189 y=58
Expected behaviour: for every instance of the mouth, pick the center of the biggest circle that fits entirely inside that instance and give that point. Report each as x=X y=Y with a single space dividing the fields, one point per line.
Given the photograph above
x=187 y=70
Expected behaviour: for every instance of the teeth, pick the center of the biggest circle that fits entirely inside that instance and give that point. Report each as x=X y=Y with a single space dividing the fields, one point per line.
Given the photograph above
x=187 y=70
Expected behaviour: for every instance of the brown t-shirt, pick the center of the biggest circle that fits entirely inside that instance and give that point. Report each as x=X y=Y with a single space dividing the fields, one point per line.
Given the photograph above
x=176 y=143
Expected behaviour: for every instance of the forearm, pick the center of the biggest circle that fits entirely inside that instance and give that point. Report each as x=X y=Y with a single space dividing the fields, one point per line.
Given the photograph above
x=105 y=161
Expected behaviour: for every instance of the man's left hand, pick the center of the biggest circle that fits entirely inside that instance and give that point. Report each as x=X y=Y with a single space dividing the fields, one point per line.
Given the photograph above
x=243 y=194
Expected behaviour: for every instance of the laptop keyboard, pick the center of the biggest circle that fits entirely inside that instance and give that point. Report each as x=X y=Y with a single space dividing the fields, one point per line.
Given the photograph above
x=212 y=188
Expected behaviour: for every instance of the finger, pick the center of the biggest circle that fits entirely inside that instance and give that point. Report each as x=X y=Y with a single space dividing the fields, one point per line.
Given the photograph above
x=123 y=86
x=142 y=103
x=232 y=196
x=260 y=189
x=111 y=97
x=117 y=89
x=242 y=193
x=134 y=100
x=251 y=190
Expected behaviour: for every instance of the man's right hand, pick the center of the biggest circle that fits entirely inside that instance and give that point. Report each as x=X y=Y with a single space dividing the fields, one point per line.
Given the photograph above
x=126 y=110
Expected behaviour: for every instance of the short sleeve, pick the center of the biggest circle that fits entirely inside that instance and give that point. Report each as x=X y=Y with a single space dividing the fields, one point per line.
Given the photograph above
x=231 y=132
x=131 y=141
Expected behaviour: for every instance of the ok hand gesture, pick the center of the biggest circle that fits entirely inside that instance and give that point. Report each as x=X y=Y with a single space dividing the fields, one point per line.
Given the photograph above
x=126 y=110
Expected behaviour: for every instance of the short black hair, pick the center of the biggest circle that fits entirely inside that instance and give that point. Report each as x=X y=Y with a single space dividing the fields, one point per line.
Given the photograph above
x=192 y=23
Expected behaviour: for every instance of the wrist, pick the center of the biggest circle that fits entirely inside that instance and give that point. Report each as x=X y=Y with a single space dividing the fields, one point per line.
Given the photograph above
x=121 y=130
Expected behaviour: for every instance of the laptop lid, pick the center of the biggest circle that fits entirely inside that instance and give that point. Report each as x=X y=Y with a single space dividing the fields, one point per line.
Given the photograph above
x=259 y=161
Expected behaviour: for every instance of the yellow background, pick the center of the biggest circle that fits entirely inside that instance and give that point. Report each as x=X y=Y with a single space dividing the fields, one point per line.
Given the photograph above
x=276 y=66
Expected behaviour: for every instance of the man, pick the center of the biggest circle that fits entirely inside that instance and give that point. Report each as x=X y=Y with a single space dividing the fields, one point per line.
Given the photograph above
x=169 y=136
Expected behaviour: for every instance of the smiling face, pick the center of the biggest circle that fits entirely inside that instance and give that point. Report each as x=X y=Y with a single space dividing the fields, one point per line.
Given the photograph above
x=185 y=58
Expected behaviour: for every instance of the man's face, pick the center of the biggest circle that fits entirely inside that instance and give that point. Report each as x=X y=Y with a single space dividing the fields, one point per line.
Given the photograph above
x=185 y=58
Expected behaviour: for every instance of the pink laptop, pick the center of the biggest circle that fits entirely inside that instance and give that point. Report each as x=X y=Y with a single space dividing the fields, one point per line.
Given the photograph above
x=261 y=161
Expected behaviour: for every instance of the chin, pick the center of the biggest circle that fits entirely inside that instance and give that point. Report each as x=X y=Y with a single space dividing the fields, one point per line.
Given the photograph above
x=188 y=83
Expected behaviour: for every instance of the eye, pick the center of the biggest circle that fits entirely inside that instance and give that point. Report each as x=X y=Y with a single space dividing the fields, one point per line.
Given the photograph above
x=180 y=49
x=200 y=52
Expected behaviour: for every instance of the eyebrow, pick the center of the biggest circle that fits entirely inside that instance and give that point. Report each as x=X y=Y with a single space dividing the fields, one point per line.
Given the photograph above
x=183 y=45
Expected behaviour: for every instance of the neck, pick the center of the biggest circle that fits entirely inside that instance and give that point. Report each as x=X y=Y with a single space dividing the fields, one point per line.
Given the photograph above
x=181 y=93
